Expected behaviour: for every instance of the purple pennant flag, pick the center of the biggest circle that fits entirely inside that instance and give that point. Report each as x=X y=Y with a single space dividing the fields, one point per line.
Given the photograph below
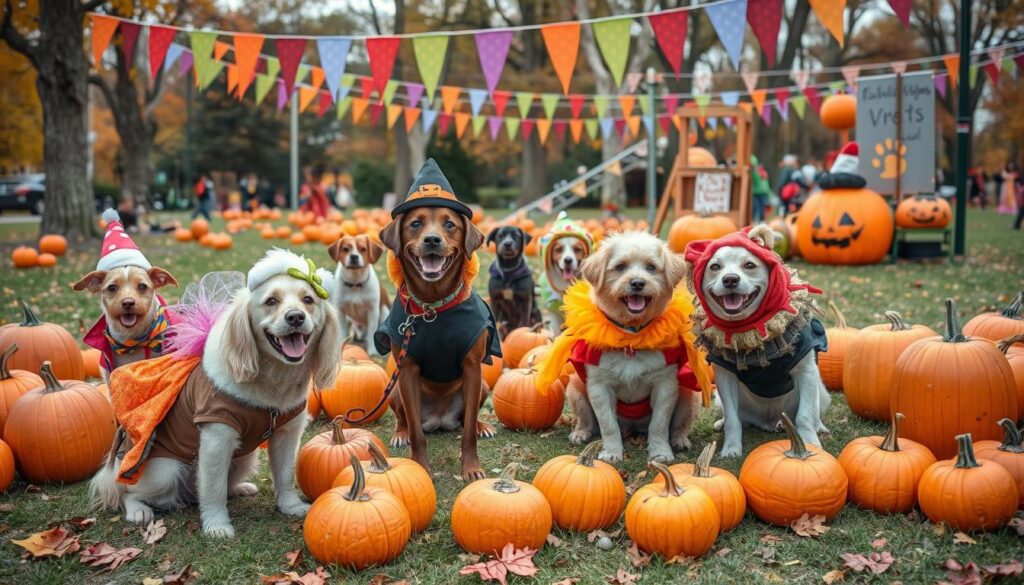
x=766 y=115
x=494 y=124
x=413 y=92
x=492 y=48
x=282 y=95
x=940 y=84
x=185 y=64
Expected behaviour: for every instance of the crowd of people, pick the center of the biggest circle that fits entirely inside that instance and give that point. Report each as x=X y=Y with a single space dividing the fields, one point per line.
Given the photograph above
x=1005 y=188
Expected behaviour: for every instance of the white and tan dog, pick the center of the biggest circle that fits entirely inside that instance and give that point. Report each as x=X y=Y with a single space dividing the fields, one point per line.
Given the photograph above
x=756 y=323
x=279 y=334
x=360 y=299
x=562 y=250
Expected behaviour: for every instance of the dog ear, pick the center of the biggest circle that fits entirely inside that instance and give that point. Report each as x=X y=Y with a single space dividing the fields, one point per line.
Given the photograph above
x=161 y=277
x=675 y=267
x=473 y=239
x=374 y=249
x=244 y=362
x=592 y=268
x=334 y=250
x=325 y=361
x=391 y=235
x=492 y=236
x=92 y=281
x=527 y=238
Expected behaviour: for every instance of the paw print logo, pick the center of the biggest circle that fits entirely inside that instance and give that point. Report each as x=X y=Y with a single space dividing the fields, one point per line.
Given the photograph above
x=892 y=163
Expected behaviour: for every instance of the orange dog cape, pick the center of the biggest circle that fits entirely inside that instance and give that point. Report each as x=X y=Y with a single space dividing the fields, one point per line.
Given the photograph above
x=584 y=322
x=146 y=391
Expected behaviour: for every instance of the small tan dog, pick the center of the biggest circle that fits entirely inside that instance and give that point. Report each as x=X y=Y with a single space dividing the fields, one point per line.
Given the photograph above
x=360 y=299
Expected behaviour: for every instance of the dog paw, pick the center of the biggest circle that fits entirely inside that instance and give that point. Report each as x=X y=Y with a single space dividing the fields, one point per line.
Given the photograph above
x=244 y=489
x=293 y=507
x=579 y=437
x=399 y=440
x=471 y=474
x=718 y=425
x=138 y=513
x=681 y=444
x=823 y=429
x=610 y=455
x=661 y=454
x=484 y=430
x=731 y=450
x=219 y=529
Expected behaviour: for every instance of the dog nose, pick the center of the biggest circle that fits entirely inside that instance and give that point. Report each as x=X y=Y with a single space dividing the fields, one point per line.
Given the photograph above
x=295 y=318
x=127 y=303
x=637 y=284
x=731 y=280
x=432 y=241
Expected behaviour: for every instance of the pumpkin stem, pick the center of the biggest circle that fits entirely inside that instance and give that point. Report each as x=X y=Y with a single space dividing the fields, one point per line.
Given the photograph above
x=5 y=372
x=891 y=442
x=965 y=454
x=1013 y=310
x=378 y=462
x=1004 y=345
x=590 y=453
x=506 y=483
x=702 y=467
x=797 y=448
x=338 y=434
x=896 y=321
x=954 y=331
x=1012 y=441
x=672 y=487
x=839 y=317
x=50 y=382
x=355 y=493
x=30 y=318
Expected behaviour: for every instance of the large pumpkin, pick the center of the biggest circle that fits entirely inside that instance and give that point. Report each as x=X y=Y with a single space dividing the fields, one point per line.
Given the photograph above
x=520 y=406
x=839 y=112
x=61 y=431
x=358 y=526
x=968 y=493
x=869 y=361
x=535 y=357
x=584 y=494
x=41 y=341
x=998 y=324
x=953 y=385
x=845 y=226
x=6 y=466
x=923 y=211
x=325 y=455
x=884 y=472
x=352 y=351
x=671 y=520
x=360 y=385
x=1013 y=348
x=490 y=513
x=830 y=362
x=690 y=228
x=24 y=257
x=13 y=384
x=786 y=479
x=794 y=242
x=720 y=484
x=1009 y=454
x=404 y=478
x=521 y=340
x=697 y=156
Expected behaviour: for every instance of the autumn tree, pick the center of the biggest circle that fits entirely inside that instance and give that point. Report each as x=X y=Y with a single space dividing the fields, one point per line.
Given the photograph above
x=21 y=139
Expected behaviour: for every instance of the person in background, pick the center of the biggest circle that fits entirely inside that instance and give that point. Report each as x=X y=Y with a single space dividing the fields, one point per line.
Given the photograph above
x=760 y=188
x=1008 y=194
x=344 y=191
x=312 y=196
x=976 y=187
x=249 y=186
x=204 y=197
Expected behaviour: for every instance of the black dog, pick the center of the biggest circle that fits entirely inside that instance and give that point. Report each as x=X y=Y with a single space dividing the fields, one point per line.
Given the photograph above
x=511 y=288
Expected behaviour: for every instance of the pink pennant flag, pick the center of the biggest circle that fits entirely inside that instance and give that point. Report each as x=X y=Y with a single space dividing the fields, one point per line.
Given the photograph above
x=560 y=127
x=492 y=49
x=940 y=84
x=500 y=99
x=576 y=105
x=444 y=122
x=527 y=127
x=670 y=32
x=382 y=52
x=665 y=122
x=850 y=73
x=765 y=18
x=620 y=127
x=494 y=125
x=766 y=115
x=289 y=53
x=813 y=98
x=902 y=10
x=129 y=34
x=323 y=103
x=801 y=78
x=899 y=67
x=671 y=103
x=160 y=38
x=375 y=112
x=750 y=80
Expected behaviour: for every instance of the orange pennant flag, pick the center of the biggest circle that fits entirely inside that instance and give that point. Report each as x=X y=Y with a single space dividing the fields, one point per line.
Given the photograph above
x=359 y=106
x=702 y=121
x=103 y=28
x=576 y=128
x=394 y=111
x=306 y=95
x=219 y=50
x=677 y=121
x=543 y=128
x=563 y=45
x=830 y=14
x=247 y=54
x=634 y=126
x=952 y=67
x=232 y=77
x=449 y=98
x=759 y=95
x=461 y=122
x=626 y=102
x=317 y=77
x=411 y=115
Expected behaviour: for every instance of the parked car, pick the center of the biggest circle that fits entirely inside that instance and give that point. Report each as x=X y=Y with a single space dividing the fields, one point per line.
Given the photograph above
x=25 y=192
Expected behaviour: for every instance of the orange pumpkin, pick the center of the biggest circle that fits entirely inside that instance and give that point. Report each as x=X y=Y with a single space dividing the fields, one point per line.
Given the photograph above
x=830 y=362
x=998 y=325
x=222 y=242
x=404 y=478
x=845 y=226
x=60 y=431
x=357 y=527
x=520 y=406
x=41 y=341
x=490 y=372
x=694 y=227
x=721 y=485
x=1009 y=454
x=298 y=238
x=199 y=228
x=268 y=233
x=323 y=457
x=521 y=340
x=183 y=235
x=283 y=232
x=794 y=241
x=700 y=157
x=6 y=467
x=91 y=361
x=953 y=385
x=490 y=513
x=672 y=520
x=839 y=112
x=46 y=261
x=535 y=356
x=53 y=244
x=923 y=211
x=1015 y=357
x=355 y=352
x=13 y=384
x=24 y=257
x=869 y=361
x=313 y=406
x=359 y=385
x=968 y=493
x=584 y=494
x=786 y=479
x=884 y=472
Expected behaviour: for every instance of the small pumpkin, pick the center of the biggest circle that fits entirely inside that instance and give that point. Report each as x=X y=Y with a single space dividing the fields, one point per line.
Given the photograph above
x=923 y=211
x=354 y=352
x=721 y=485
x=786 y=479
x=323 y=457
x=869 y=361
x=199 y=228
x=783 y=237
x=91 y=361
x=584 y=494
x=13 y=384
x=998 y=324
x=839 y=112
x=968 y=493
x=884 y=472
x=358 y=526
x=830 y=362
x=535 y=357
x=672 y=520
x=284 y=232
x=521 y=340
x=404 y=478
x=6 y=467
x=953 y=385
x=298 y=238
x=845 y=226
x=490 y=513
x=1009 y=454
x=359 y=385
x=520 y=406
x=794 y=242
x=1013 y=348
x=41 y=341
x=60 y=431
x=689 y=228
x=24 y=257
x=46 y=261
x=55 y=244
x=182 y=235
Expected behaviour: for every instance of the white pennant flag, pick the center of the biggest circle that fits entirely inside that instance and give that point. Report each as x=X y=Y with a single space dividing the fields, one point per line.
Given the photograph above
x=801 y=77
x=750 y=80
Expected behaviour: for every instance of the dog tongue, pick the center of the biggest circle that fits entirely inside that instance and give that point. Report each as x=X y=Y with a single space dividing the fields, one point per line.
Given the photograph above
x=636 y=303
x=129 y=319
x=568 y=274
x=733 y=301
x=294 y=345
x=431 y=263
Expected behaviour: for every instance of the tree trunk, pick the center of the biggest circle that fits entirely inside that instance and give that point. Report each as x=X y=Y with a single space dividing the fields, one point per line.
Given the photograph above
x=135 y=131
x=534 y=171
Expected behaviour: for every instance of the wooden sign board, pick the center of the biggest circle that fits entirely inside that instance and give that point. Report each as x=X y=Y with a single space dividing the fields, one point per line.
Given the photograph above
x=712 y=193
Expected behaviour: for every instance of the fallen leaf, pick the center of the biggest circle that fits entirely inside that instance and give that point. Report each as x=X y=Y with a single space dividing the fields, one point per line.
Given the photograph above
x=680 y=560
x=809 y=526
x=621 y=577
x=637 y=557
x=1013 y=568
x=317 y=577
x=567 y=581
x=1018 y=525
x=770 y=538
x=877 y=563
x=595 y=534
x=723 y=552
x=879 y=543
x=55 y=542
x=469 y=558
x=554 y=540
x=80 y=523
x=963 y=538
x=152 y=581
x=294 y=558
x=511 y=560
x=7 y=507
x=939 y=529
x=154 y=531
x=959 y=574
x=185 y=575
x=98 y=555
x=833 y=577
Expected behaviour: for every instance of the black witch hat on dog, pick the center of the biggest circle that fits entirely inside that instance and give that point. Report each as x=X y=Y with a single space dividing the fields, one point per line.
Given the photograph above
x=431 y=189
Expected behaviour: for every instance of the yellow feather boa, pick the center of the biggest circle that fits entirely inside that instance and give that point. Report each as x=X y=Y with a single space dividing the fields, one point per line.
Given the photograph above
x=469 y=270
x=583 y=320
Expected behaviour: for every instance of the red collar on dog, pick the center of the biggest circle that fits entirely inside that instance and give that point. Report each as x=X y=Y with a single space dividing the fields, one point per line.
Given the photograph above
x=414 y=306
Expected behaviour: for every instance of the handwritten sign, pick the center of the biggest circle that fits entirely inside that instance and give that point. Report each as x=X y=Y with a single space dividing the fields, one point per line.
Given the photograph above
x=712 y=192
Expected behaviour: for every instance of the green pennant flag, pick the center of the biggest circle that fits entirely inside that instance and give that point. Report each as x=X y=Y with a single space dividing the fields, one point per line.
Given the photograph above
x=202 y=53
x=512 y=127
x=389 y=91
x=273 y=67
x=478 y=125
x=837 y=87
x=592 y=129
x=702 y=103
x=799 y=105
x=524 y=99
x=300 y=74
x=550 y=101
x=973 y=75
x=348 y=80
x=263 y=85
x=213 y=69
x=613 y=39
x=343 y=106
x=430 y=51
x=1010 y=67
x=601 y=105
x=645 y=108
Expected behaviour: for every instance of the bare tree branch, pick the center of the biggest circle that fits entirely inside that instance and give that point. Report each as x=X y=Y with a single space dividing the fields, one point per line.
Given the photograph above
x=13 y=37
x=92 y=5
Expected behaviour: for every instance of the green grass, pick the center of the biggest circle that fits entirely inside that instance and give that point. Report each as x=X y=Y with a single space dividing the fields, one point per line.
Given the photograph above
x=992 y=271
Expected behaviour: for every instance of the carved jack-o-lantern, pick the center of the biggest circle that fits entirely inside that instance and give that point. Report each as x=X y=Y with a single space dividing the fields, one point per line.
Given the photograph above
x=845 y=226
x=923 y=211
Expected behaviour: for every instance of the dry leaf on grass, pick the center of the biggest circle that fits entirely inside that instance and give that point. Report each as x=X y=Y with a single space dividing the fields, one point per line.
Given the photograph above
x=55 y=542
x=554 y=540
x=637 y=557
x=98 y=555
x=293 y=557
x=1013 y=568
x=770 y=538
x=512 y=560
x=6 y=507
x=1018 y=525
x=317 y=577
x=621 y=577
x=182 y=577
x=567 y=581
x=723 y=552
x=876 y=563
x=834 y=577
x=809 y=526
x=154 y=531
x=963 y=538
x=468 y=558
x=79 y=523
x=382 y=579
x=879 y=543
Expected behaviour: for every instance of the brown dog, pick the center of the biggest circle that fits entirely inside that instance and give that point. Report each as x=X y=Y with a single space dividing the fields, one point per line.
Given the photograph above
x=439 y=379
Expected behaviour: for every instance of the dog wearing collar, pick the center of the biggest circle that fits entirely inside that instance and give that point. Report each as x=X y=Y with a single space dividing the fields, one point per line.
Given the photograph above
x=439 y=330
x=756 y=322
x=511 y=288
x=360 y=299
x=562 y=250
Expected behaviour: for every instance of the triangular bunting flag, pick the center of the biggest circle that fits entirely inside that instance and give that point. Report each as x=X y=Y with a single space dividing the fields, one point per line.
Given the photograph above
x=626 y=102
x=333 y=53
x=202 y=54
x=702 y=103
x=394 y=111
x=940 y=84
x=430 y=51
x=758 y=96
x=634 y=126
x=160 y=38
x=543 y=128
x=382 y=52
x=671 y=103
x=413 y=93
x=592 y=130
x=390 y=88
x=444 y=122
x=524 y=100
x=347 y=81
x=343 y=105
x=185 y=64
x=665 y=122
x=500 y=99
x=560 y=127
x=813 y=98
x=830 y=15
x=782 y=102
x=850 y=74
x=282 y=96
x=492 y=49
x=263 y=85
x=601 y=105
x=546 y=205
x=670 y=32
x=799 y=105
x=301 y=73
x=645 y=107
x=579 y=189
x=366 y=87
x=247 y=53
x=614 y=169
x=478 y=125
x=289 y=53
x=219 y=50
x=512 y=127
x=306 y=95
x=528 y=124
x=992 y=71
x=576 y=129
x=729 y=20
x=837 y=87
x=411 y=115
x=429 y=117
x=476 y=100
x=563 y=45
x=730 y=98
x=952 y=63
x=607 y=127
x=376 y=111
x=576 y=104
x=213 y=69
x=103 y=28
x=750 y=80
x=449 y=98
x=359 y=106
x=613 y=38
x=461 y=122
x=766 y=115
x=897 y=67
x=232 y=78
x=902 y=10
x=550 y=103
x=324 y=101
x=765 y=18
x=129 y=34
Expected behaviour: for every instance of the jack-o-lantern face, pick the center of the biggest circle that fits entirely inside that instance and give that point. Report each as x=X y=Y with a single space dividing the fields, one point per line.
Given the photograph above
x=840 y=235
x=923 y=211
x=844 y=226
